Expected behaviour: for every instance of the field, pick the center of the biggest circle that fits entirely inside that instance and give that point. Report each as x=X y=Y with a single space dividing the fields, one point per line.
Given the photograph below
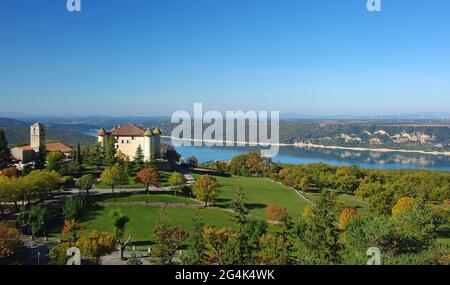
x=259 y=193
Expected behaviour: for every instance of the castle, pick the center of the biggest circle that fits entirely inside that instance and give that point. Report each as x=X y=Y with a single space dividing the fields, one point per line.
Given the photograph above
x=129 y=137
x=38 y=140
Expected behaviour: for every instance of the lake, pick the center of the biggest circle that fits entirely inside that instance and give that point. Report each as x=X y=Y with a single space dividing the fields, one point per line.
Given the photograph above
x=336 y=157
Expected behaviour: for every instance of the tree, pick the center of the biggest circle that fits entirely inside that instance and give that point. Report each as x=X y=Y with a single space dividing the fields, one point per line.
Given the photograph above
x=196 y=243
x=192 y=161
x=5 y=152
x=96 y=245
x=172 y=156
x=176 y=179
x=113 y=175
x=70 y=228
x=273 y=250
x=239 y=249
x=10 y=172
x=403 y=205
x=73 y=208
x=381 y=203
x=37 y=217
x=216 y=240
x=322 y=235
x=148 y=176
x=78 y=156
x=10 y=241
x=274 y=212
x=138 y=162
x=168 y=239
x=53 y=160
x=206 y=189
x=39 y=162
x=346 y=215
x=119 y=221
x=110 y=152
x=85 y=183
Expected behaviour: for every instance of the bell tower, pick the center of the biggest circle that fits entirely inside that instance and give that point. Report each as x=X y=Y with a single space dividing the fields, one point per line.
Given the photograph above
x=37 y=136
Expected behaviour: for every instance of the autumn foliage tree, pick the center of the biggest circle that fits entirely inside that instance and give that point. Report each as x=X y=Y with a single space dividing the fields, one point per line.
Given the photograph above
x=148 y=176
x=216 y=240
x=96 y=245
x=346 y=215
x=274 y=212
x=206 y=189
x=403 y=204
x=10 y=242
x=70 y=229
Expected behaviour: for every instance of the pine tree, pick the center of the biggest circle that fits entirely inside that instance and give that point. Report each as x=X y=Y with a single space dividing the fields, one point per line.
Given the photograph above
x=241 y=250
x=39 y=162
x=110 y=152
x=138 y=160
x=5 y=152
x=322 y=233
x=196 y=243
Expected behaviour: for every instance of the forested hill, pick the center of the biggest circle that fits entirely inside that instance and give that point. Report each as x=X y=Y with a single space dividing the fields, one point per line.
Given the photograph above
x=18 y=134
x=411 y=135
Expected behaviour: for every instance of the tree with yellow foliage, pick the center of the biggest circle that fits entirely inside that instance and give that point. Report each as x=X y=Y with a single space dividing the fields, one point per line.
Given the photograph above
x=96 y=245
x=403 y=205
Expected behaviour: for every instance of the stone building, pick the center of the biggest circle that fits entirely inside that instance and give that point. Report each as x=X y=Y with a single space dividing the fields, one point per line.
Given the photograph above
x=129 y=137
x=38 y=139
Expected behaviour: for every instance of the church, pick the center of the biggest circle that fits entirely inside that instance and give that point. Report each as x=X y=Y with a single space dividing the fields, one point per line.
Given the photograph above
x=38 y=139
x=129 y=137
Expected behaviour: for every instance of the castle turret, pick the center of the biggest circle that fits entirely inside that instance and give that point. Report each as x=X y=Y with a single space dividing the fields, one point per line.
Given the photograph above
x=147 y=145
x=102 y=136
x=37 y=136
x=156 y=141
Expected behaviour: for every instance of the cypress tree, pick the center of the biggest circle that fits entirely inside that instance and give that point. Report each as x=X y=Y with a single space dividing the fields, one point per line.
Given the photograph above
x=78 y=158
x=138 y=160
x=5 y=152
x=110 y=152
x=39 y=163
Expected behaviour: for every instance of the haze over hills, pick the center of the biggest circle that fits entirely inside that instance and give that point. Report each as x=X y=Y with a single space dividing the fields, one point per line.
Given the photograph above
x=424 y=134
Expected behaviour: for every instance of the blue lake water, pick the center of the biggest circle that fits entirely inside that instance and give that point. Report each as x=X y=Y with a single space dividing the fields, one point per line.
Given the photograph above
x=294 y=155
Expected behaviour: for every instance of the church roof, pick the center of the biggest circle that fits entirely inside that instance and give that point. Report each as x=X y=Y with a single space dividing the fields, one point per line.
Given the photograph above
x=50 y=147
x=64 y=148
x=128 y=130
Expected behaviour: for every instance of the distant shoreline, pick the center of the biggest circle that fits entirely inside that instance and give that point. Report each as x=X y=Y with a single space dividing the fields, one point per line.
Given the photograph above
x=310 y=145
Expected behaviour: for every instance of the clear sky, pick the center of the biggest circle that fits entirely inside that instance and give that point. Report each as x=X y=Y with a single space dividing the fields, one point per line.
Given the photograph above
x=153 y=57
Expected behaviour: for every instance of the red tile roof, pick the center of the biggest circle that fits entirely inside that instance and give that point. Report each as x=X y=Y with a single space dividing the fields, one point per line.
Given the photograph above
x=25 y=147
x=50 y=147
x=128 y=130
x=64 y=148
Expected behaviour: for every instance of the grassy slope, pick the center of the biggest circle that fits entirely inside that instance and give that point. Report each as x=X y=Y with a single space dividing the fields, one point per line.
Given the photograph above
x=259 y=193
x=151 y=198
x=143 y=220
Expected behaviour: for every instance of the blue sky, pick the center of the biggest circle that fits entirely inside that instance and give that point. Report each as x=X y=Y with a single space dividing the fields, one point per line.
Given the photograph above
x=153 y=57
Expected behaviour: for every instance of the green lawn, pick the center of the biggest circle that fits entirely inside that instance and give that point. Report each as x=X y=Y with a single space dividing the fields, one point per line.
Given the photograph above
x=142 y=197
x=132 y=184
x=259 y=193
x=143 y=220
x=348 y=200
